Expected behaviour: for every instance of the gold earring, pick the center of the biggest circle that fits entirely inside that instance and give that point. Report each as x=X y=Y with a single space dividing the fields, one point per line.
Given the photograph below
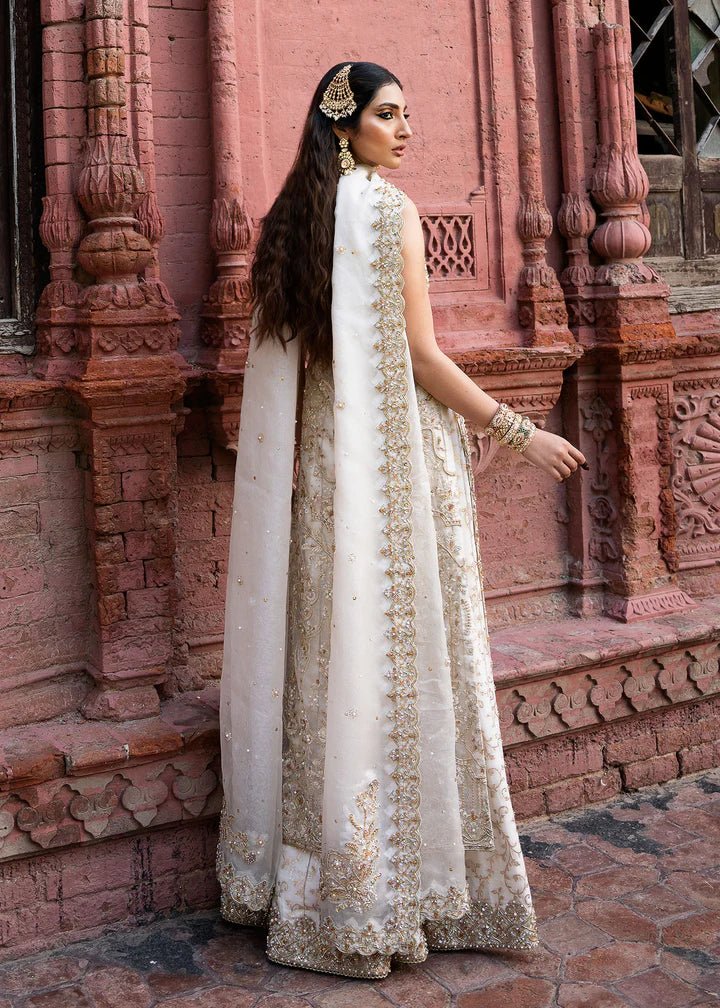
x=346 y=162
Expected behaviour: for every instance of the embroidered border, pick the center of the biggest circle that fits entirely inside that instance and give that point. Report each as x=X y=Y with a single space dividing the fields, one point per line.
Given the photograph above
x=242 y=900
x=297 y=942
x=511 y=926
x=402 y=932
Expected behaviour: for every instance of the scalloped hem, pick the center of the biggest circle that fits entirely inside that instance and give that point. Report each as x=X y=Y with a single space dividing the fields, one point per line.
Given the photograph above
x=510 y=928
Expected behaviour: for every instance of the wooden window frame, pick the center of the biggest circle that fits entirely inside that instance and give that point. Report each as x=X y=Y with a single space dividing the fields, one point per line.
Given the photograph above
x=23 y=170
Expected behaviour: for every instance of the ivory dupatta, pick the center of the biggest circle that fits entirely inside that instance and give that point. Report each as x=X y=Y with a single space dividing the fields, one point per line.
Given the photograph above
x=393 y=765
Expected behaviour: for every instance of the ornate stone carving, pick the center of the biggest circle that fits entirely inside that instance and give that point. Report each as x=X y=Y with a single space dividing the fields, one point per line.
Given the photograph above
x=61 y=225
x=607 y=692
x=576 y=216
x=226 y=313
x=83 y=808
x=576 y=220
x=603 y=546
x=695 y=438
x=450 y=246
x=619 y=181
x=541 y=306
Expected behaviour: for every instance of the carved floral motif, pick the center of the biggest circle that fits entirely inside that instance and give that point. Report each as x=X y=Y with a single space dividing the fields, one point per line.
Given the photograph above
x=556 y=704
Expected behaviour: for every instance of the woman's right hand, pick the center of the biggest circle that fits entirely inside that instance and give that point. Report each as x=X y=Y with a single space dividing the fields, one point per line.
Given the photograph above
x=554 y=455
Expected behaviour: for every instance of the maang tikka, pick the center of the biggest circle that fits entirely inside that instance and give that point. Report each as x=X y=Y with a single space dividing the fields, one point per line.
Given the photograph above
x=338 y=101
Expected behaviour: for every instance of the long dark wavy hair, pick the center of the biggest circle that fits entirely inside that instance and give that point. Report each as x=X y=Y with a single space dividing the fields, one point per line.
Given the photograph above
x=291 y=275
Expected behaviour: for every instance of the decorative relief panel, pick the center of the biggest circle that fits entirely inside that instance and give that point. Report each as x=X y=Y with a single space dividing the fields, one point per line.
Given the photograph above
x=590 y=697
x=64 y=812
x=456 y=245
x=695 y=433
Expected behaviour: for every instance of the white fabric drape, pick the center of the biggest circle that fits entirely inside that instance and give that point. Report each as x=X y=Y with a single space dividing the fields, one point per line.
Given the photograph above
x=404 y=791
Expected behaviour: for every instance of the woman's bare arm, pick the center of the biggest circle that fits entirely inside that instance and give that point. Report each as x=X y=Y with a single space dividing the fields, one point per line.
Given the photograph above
x=442 y=378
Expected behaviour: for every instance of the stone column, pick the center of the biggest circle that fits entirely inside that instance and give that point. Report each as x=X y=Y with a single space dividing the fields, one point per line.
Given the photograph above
x=541 y=306
x=226 y=314
x=148 y=211
x=576 y=216
x=631 y=301
x=128 y=384
x=61 y=224
x=632 y=531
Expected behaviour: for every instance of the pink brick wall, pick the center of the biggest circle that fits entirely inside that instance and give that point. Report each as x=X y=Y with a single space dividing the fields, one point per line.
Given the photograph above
x=178 y=50
x=554 y=775
x=205 y=490
x=84 y=891
x=45 y=585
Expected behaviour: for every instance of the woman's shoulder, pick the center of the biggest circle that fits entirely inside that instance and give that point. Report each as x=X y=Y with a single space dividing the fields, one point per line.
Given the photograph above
x=402 y=200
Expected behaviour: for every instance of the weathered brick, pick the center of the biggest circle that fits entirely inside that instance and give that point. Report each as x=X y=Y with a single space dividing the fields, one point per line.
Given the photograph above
x=651 y=771
x=18 y=465
x=20 y=520
x=60 y=460
x=139 y=545
x=159 y=572
x=16 y=581
x=700 y=757
x=145 y=485
x=567 y=794
x=112 y=608
x=123 y=517
x=570 y=758
x=527 y=804
x=148 y=602
x=113 y=578
x=641 y=744
x=110 y=549
x=602 y=785
x=107 y=489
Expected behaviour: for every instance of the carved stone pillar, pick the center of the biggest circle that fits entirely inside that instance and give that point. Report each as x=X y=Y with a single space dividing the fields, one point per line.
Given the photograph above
x=541 y=306
x=148 y=211
x=129 y=380
x=226 y=314
x=576 y=216
x=61 y=224
x=631 y=301
x=622 y=521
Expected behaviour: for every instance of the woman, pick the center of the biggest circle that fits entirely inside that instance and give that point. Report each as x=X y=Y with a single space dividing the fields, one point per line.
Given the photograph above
x=367 y=816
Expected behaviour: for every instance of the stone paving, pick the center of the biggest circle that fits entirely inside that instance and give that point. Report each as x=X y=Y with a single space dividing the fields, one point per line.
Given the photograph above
x=627 y=894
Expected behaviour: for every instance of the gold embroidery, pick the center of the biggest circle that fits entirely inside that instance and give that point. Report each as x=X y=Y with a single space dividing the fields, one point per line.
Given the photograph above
x=453 y=514
x=507 y=926
x=297 y=942
x=453 y=903
x=348 y=877
x=239 y=843
x=310 y=595
x=242 y=899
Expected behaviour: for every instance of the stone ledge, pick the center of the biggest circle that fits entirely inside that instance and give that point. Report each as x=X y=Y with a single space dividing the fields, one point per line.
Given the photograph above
x=574 y=644
x=73 y=781
x=558 y=684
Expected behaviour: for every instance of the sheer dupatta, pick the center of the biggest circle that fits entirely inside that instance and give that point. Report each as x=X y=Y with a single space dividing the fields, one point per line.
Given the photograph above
x=394 y=820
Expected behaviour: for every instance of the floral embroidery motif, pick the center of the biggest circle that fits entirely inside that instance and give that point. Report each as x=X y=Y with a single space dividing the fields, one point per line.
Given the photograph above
x=243 y=901
x=244 y=845
x=348 y=877
x=297 y=942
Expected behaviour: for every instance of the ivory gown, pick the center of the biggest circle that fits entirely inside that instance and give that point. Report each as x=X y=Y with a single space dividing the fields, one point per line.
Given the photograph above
x=393 y=826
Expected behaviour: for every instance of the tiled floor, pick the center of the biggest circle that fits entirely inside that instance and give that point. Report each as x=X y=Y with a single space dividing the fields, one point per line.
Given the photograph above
x=627 y=893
